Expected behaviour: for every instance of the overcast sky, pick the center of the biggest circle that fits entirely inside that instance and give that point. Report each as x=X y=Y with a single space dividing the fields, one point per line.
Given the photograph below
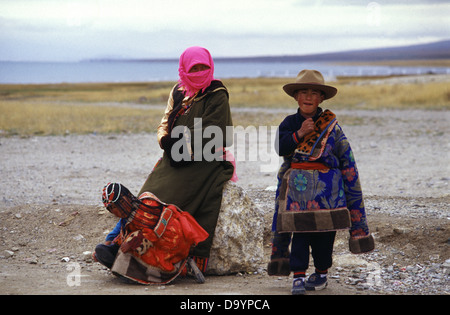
x=65 y=30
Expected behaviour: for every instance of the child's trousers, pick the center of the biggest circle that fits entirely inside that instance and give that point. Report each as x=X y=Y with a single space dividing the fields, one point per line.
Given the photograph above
x=321 y=244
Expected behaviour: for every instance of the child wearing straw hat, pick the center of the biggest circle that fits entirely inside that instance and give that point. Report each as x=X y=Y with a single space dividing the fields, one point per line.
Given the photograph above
x=318 y=190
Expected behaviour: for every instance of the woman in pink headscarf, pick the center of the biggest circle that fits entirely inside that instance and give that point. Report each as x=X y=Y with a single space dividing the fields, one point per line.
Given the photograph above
x=196 y=70
x=192 y=173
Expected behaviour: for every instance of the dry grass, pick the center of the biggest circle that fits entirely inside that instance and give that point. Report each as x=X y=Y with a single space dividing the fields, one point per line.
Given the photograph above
x=269 y=93
x=405 y=63
x=55 y=109
x=432 y=96
x=26 y=118
x=154 y=92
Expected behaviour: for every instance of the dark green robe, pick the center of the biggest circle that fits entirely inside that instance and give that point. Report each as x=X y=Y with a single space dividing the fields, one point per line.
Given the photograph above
x=196 y=186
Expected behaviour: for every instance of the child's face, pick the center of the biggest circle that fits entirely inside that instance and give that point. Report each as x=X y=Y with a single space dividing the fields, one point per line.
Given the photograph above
x=308 y=101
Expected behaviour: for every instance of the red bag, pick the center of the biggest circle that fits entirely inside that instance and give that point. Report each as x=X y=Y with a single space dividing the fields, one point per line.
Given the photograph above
x=157 y=238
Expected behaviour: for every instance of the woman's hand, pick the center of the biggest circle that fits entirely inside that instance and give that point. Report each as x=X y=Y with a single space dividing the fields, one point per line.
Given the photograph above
x=307 y=127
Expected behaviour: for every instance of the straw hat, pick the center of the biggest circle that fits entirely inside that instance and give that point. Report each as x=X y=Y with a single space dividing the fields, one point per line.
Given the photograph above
x=310 y=79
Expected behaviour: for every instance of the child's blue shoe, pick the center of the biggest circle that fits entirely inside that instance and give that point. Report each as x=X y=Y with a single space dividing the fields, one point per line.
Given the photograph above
x=298 y=286
x=316 y=282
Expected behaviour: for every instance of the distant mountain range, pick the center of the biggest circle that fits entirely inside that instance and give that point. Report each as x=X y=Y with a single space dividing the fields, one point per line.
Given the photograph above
x=436 y=50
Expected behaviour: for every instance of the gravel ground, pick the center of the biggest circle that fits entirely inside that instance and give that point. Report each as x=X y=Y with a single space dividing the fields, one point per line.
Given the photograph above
x=403 y=160
x=399 y=153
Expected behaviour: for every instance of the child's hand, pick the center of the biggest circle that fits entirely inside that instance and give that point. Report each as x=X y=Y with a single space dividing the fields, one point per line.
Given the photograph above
x=307 y=127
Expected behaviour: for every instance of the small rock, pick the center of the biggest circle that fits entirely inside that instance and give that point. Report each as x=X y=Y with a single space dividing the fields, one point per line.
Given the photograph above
x=32 y=260
x=362 y=286
x=410 y=268
x=78 y=237
x=446 y=264
x=400 y=230
x=87 y=256
x=271 y=188
x=8 y=253
x=65 y=259
x=349 y=261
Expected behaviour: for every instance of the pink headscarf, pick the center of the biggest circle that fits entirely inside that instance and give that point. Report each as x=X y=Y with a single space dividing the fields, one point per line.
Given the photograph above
x=193 y=82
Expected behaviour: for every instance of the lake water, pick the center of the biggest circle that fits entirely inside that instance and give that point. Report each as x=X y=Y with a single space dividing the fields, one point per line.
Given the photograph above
x=140 y=71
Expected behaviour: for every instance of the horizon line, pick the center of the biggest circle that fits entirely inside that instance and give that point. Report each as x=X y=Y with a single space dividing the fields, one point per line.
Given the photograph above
x=319 y=57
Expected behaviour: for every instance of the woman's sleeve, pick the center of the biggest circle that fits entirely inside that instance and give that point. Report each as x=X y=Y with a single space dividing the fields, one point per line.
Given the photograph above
x=162 y=129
